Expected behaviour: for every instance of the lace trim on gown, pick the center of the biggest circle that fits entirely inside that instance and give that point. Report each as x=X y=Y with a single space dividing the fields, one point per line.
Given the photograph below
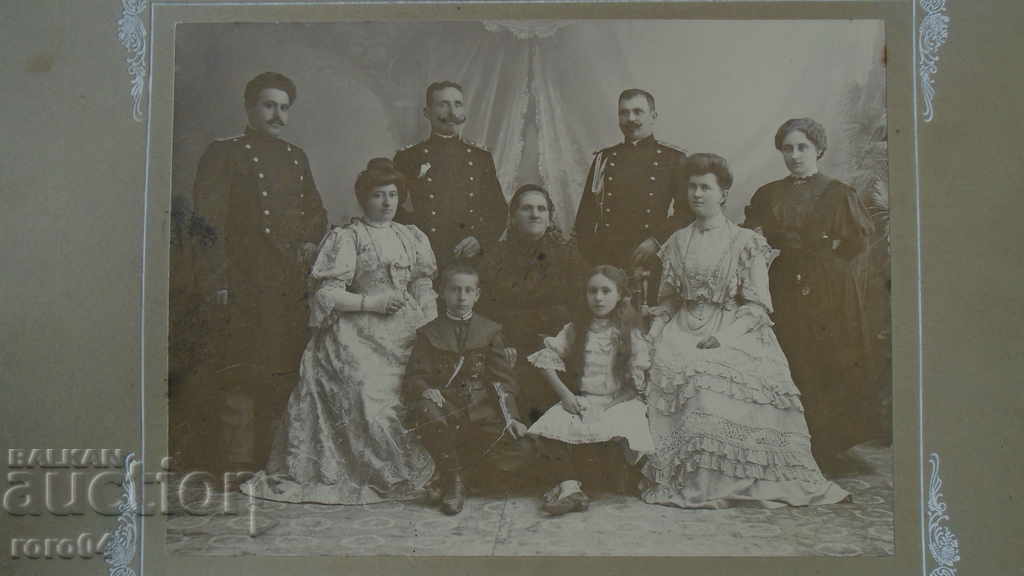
x=714 y=443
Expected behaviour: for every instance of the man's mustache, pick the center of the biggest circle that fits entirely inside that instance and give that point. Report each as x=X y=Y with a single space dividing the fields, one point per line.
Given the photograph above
x=452 y=119
x=633 y=125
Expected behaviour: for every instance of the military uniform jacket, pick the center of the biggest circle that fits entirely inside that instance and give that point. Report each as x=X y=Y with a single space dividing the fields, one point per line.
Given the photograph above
x=453 y=193
x=474 y=374
x=629 y=190
x=257 y=194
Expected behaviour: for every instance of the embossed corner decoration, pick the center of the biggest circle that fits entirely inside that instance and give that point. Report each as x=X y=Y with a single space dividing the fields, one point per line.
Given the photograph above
x=119 y=552
x=932 y=34
x=942 y=542
x=131 y=31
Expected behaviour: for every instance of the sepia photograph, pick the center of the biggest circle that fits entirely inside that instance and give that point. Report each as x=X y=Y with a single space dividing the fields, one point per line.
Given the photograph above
x=531 y=288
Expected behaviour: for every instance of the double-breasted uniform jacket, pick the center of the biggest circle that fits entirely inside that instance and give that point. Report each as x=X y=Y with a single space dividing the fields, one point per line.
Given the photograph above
x=473 y=374
x=257 y=194
x=453 y=193
x=629 y=190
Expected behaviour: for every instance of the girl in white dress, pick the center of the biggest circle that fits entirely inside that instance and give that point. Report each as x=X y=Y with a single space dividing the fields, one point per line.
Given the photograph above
x=603 y=358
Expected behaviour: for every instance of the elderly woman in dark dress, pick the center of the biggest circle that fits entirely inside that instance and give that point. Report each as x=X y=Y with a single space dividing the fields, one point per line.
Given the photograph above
x=527 y=282
x=820 y=226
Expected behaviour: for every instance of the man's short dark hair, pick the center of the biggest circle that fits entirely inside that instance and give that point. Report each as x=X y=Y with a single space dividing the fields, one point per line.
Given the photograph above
x=458 y=267
x=630 y=93
x=438 y=86
x=268 y=80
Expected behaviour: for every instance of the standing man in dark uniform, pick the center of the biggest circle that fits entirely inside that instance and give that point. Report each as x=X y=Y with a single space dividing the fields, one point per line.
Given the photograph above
x=454 y=195
x=257 y=193
x=623 y=215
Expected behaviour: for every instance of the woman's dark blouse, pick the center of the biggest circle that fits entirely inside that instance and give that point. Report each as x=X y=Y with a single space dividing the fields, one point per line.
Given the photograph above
x=528 y=286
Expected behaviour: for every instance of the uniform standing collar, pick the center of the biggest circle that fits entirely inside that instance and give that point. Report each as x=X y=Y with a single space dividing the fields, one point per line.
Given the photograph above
x=642 y=142
x=250 y=132
x=442 y=139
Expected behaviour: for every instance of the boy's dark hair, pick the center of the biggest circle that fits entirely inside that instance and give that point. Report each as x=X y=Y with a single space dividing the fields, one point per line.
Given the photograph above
x=458 y=268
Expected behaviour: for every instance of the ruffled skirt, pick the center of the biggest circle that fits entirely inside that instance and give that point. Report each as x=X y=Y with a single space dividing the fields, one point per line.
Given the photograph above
x=728 y=426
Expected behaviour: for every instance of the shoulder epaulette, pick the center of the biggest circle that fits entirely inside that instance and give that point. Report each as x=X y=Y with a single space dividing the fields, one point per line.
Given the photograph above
x=671 y=147
x=236 y=138
x=475 y=144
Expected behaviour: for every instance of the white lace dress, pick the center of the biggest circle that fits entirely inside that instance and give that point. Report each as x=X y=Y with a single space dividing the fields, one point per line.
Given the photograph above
x=727 y=422
x=603 y=418
x=344 y=438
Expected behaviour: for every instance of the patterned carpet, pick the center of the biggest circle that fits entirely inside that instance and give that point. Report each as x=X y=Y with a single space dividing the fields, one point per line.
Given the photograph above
x=614 y=526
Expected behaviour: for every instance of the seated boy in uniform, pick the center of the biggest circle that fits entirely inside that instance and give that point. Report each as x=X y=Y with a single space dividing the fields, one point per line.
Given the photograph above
x=460 y=381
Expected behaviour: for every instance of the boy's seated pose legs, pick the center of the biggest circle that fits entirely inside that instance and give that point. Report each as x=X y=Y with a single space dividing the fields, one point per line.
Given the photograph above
x=460 y=380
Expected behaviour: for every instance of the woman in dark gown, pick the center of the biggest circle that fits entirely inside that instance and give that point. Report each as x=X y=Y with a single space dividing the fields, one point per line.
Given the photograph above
x=820 y=226
x=527 y=282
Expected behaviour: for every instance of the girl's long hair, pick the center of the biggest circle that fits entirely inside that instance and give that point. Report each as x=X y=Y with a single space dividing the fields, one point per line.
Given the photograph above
x=624 y=317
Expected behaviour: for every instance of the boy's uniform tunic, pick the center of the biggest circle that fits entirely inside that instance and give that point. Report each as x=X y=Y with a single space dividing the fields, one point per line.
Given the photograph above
x=465 y=360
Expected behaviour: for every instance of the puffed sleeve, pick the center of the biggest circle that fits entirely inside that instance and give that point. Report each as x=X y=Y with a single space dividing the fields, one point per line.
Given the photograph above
x=755 y=297
x=423 y=273
x=671 y=257
x=552 y=356
x=333 y=271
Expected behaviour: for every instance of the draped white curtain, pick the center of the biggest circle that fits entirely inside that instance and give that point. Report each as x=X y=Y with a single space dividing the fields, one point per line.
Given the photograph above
x=540 y=95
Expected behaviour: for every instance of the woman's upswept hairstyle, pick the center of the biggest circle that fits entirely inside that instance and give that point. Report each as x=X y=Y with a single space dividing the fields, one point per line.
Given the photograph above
x=379 y=172
x=706 y=163
x=811 y=128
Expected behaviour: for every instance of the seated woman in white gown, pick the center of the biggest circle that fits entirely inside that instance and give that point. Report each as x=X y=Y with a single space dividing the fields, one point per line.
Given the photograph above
x=344 y=438
x=726 y=418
